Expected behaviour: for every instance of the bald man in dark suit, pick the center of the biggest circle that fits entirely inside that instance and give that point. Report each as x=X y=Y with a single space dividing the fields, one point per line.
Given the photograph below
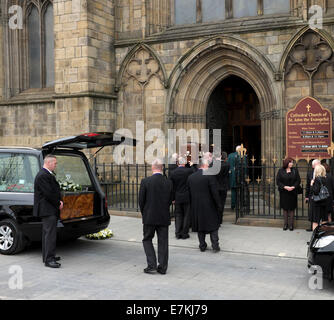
x=155 y=197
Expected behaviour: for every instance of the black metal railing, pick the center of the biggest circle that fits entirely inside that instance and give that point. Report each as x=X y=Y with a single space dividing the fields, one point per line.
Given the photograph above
x=121 y=184
x=257 y=193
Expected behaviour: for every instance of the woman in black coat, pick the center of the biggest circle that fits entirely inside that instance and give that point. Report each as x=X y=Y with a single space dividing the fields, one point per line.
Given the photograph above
x=319 y=212
x=288 y=181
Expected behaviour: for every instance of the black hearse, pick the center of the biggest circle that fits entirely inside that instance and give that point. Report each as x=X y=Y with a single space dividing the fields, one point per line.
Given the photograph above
x=321 y=250
x=85 y=207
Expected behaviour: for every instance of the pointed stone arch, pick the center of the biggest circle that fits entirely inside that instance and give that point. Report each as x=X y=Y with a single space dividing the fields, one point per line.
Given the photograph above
x=199 y=71
x=323 y=34
x=123 y=73
x=307 y=66
x=141 y=85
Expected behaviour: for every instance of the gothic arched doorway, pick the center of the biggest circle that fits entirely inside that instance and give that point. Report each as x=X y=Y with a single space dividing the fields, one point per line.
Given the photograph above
x=234 y=108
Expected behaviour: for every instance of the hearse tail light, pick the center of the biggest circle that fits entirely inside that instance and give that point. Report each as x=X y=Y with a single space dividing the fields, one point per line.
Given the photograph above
x=91 y=134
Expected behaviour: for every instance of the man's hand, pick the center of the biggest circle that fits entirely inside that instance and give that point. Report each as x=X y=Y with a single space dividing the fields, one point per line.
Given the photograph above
x=61 y=205
x=306 y=200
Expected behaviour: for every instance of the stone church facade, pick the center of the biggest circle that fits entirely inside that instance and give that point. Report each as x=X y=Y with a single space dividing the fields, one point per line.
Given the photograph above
x=171 y=63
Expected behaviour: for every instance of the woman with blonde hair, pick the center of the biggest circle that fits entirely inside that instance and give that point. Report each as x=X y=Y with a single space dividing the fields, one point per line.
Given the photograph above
x=319 y=212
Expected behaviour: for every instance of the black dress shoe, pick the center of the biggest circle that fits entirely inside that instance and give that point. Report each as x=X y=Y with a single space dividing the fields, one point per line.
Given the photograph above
x=291 y=228
x=57 y=258
x=161 y=271
x=185 y=236
x=202 y=248
x=150 y=270
x=285 y=227
x=215 y=250
x=52 y=264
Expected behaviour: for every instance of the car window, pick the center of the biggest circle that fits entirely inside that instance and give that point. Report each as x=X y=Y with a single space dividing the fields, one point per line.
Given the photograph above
x=17 y=172
x=72 y=174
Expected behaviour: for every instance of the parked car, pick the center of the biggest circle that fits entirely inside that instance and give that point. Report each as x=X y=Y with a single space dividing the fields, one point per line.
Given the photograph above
x=85 y=206
x=321 y=249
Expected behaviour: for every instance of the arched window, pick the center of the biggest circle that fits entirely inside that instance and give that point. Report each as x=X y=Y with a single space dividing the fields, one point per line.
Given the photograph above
x=40 y=45
x=49 y=47
x=34 y=44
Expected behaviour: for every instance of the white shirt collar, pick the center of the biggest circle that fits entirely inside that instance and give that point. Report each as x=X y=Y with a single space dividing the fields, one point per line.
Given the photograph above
x=49 y=170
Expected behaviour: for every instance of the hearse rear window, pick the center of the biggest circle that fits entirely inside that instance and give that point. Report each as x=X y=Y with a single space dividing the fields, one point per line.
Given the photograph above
x=17 y=172
x=72 y=174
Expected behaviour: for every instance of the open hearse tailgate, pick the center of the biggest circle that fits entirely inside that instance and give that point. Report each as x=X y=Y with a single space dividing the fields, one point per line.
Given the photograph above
x=89 y=140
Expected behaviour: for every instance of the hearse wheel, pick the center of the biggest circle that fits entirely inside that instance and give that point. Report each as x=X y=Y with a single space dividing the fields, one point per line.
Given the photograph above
x=11 y=238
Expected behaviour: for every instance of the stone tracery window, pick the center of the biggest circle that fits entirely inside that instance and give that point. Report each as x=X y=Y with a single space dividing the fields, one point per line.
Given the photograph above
x=197 y=11
x=40 y=35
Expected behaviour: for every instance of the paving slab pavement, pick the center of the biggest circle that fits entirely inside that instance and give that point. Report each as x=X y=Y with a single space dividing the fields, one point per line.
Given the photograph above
x=233 y=238
x=254 y=263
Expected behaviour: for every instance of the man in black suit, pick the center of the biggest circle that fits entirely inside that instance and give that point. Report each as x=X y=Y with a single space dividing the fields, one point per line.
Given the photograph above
x=172 y=165
x=155 y=197
x=223 y=180
x=179 y=178
x=47 y=205
x=205 y=205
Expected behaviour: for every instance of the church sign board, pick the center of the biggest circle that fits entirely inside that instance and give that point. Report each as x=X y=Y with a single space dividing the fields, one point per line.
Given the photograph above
x=308 y=130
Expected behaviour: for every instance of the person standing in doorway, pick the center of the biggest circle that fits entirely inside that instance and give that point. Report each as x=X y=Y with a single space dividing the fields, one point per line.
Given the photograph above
x=47 y=205
x=155 y=197
x=288 y=181
x=232 y=162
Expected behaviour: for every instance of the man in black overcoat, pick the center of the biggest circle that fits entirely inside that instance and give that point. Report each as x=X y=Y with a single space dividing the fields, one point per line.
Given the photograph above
x=172 y=165
x=155 y=197
x=205 y=205
x=223 y=180
x=179 y=178
x=47 y=206
x=308 y=195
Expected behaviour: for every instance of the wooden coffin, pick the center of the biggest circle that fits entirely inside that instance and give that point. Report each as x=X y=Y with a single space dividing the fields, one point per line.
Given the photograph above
x=77 y=205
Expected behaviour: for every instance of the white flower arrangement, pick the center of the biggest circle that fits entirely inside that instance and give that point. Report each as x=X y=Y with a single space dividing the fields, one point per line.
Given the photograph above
x=69 y=185
x=103 y=234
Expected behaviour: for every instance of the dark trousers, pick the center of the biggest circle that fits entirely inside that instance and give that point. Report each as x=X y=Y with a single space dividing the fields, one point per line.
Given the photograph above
x=162 y=233
x=182 y=219
x=222 y=194
x=213 y=237
x=49 y=238
x=233 y=197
